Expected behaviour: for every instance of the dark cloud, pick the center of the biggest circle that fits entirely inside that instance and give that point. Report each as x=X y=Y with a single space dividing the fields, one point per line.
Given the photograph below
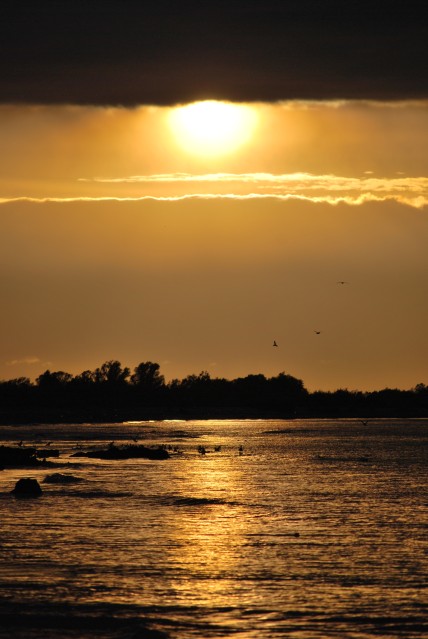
x=162 y=52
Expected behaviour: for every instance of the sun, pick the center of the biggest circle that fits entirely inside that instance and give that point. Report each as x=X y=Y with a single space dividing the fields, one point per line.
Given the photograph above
x=212 y=127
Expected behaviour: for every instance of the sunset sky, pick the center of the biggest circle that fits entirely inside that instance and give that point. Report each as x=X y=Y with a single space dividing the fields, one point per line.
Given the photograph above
x=186 y=187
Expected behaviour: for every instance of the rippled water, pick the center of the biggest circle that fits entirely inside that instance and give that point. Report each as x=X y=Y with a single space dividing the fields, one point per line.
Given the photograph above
x=317 y=529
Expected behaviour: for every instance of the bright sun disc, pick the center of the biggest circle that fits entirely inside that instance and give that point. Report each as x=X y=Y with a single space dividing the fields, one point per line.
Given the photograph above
x=211 y=127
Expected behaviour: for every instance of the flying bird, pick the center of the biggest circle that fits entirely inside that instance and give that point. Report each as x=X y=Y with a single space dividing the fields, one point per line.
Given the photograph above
x=342 y=282
x=274 y=343
x=317 y=332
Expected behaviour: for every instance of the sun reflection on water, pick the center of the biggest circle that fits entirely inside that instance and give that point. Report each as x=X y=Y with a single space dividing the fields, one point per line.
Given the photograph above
x=316 y=530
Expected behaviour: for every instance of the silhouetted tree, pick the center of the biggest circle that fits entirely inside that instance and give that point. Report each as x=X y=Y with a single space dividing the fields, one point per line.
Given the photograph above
x=147 y=389
x=287 y=393
x=53 y=399
x=421 y=389
x=53 y=381
x=15 y=390
x=18 y=382
x=112 y=373
x=147 y=376
x=86 y=378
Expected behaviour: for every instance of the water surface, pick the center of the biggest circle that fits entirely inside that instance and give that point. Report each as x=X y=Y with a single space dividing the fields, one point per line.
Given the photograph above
x=302 y=529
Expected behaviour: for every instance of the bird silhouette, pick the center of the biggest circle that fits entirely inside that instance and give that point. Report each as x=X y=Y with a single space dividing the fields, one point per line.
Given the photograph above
x=342 y=282
x=317 y=332
x=274 y=343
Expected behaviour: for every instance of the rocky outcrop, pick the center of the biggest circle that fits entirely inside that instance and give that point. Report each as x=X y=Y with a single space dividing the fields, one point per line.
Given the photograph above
x=60 y=478
x=43 y=453
x=16 y=457
x=27 y=487
x=125 y=452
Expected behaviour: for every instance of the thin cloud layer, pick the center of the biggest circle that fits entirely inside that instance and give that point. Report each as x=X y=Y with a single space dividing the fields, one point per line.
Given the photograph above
x=328 y=188
x=25 y=360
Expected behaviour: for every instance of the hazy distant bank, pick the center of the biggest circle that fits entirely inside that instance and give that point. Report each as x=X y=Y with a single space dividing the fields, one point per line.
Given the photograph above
x=112 y=394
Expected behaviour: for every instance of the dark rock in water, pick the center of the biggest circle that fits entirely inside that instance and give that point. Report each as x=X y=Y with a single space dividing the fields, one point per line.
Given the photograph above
x=15 y=457
x=60 y=478
x=42 y=453
x=27 y=487
x=125 y=452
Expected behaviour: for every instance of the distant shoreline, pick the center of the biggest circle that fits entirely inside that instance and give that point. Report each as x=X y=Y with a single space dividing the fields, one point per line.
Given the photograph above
x=365 y=419
x=112 y=394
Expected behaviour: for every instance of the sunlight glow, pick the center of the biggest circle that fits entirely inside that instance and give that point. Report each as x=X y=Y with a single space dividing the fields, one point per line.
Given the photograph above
x=211 y=127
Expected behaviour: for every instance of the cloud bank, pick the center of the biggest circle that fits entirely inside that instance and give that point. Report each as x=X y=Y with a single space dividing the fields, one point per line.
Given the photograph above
x=126 y=52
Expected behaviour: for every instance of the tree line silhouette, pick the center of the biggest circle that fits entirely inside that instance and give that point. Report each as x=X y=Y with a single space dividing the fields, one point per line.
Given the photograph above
x=111 y=393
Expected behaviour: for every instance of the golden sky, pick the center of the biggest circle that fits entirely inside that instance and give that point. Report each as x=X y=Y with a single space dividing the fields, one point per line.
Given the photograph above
x=194 y=236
